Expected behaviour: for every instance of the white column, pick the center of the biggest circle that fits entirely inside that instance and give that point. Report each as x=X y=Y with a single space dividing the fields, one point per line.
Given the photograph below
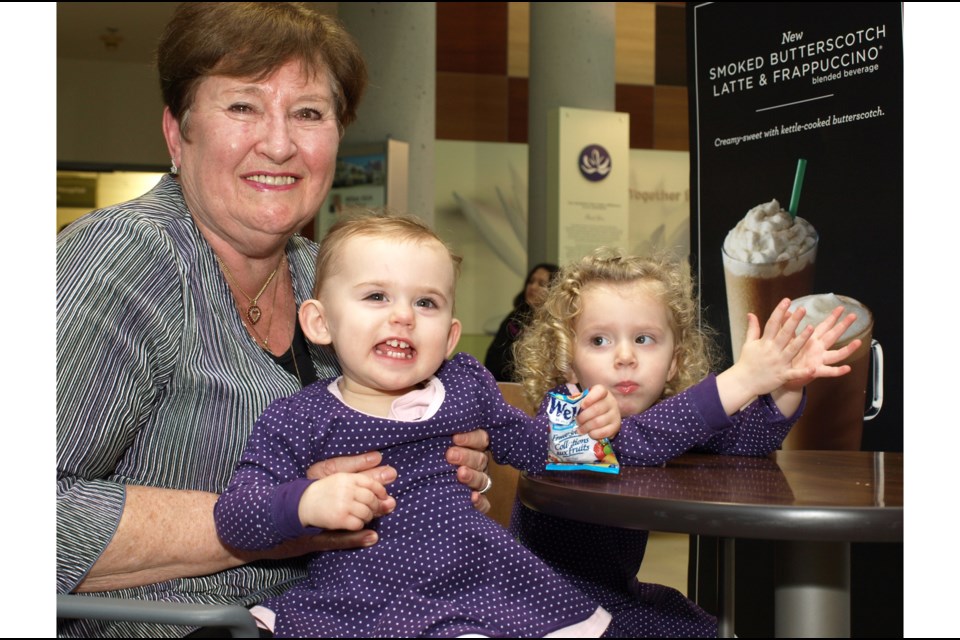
x=572 y=50
x=399 y=43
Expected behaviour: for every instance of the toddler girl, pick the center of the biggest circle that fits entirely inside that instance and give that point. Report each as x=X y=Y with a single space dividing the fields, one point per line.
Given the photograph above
x=384 y=300
x=631 y=324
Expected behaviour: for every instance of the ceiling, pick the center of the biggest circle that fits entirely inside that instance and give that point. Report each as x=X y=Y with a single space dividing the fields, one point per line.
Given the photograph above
x=81 y=26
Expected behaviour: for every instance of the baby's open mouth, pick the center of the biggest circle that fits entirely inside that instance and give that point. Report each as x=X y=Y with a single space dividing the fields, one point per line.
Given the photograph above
x=398 y=349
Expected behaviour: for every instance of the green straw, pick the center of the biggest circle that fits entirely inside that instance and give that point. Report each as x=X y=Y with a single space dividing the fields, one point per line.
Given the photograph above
x=797 y=185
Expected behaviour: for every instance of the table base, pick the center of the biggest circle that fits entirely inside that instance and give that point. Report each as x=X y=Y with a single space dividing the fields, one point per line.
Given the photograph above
x=812 y=577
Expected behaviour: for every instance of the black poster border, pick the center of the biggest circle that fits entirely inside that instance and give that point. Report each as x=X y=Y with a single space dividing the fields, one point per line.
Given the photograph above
x=854 y=200
x=849 y=262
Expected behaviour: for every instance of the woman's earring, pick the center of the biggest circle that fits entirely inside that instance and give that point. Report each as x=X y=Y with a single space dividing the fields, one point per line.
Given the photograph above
x=174 y=169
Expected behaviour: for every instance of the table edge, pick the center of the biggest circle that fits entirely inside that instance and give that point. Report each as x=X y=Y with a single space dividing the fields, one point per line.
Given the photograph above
x=720 y=519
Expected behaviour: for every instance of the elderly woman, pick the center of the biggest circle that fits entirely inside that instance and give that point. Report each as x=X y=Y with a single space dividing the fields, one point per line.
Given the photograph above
x=177 y=314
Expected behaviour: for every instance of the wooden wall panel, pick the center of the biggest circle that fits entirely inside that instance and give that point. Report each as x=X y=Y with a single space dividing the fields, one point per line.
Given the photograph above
x=671 y=124
x=518 y=39
x=671 y=46
x=635 y=39
x=472 y=37
x=472 y=106
x=518 y=109
x=483 y=64
x=638 y=102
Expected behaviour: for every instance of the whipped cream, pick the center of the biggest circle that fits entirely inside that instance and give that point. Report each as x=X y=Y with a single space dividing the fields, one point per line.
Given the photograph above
x=768 y=234
x=820 y=305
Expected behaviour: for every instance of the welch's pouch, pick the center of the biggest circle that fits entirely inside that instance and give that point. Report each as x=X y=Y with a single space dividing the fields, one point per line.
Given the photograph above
x=567 y=450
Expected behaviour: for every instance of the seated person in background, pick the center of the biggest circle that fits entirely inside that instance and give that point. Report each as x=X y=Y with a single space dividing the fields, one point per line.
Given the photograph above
x=177 y=316
x=384 y=300
x=499 y=359
x=631 y=324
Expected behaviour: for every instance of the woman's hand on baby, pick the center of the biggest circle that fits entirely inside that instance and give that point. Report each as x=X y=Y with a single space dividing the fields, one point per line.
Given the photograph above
x=469 y=456
x=366 y=463
x=815 y=359
x=344 y=501
x=599 y=415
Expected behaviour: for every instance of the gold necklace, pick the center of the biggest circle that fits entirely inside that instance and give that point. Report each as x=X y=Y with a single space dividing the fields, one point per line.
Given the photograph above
x=273 y=313
x=253 y=311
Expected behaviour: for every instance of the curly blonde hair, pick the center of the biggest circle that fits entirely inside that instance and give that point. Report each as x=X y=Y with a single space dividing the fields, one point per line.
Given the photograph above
x=544 y=354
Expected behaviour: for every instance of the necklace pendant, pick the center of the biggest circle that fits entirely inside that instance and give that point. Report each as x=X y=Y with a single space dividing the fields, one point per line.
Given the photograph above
x=254 y=313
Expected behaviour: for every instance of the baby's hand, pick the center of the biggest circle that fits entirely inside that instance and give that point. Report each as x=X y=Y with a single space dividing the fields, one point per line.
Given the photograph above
x=344 y=501
x=815 y=360
x=599 y=415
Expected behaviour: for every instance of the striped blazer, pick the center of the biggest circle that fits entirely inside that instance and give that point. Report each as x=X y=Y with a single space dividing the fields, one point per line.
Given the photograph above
x=158 y=384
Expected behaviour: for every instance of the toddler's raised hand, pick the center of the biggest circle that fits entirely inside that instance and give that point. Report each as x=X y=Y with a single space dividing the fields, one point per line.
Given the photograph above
x=769 y=360
x=344 y=501
x=599 y=415
x=815 y=359
x=766 y=361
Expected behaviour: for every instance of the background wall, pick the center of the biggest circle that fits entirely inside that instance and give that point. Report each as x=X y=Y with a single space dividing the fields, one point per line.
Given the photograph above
x=478 y=182
x=108 y=101
x=109 y=113
x=482 y=78
x=483 y=67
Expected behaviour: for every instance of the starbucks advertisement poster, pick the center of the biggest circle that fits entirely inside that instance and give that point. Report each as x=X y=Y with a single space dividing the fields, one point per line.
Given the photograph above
x=796 y=120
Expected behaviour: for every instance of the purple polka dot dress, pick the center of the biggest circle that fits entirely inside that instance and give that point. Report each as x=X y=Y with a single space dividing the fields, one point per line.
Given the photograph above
x=690 y=421
x=441 y=568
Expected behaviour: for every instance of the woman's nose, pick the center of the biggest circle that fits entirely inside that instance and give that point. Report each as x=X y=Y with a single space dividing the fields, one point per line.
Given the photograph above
x=276 y=142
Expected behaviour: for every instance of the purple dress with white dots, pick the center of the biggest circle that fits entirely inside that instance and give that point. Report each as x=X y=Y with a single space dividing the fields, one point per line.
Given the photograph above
x=690 y=421
x=440 y=568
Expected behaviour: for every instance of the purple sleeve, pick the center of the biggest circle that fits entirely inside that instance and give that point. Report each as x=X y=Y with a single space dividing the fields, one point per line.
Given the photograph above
x=516 y=439
x=695 y=420
x=757 y=430
x=286 y=509
x=260 y=508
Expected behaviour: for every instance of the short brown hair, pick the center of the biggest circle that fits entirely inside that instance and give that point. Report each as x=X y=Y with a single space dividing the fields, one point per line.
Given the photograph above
x=545 y=351
x=374 y=224
x=252 y=40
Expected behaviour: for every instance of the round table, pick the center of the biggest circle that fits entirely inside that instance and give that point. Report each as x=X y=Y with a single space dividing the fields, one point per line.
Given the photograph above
x=815 y=503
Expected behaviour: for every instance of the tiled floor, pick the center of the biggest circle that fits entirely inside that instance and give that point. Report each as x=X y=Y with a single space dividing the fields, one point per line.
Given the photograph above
x=665 y=561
